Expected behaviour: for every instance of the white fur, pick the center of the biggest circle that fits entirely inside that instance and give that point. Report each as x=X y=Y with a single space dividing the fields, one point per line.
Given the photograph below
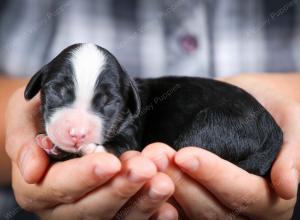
x=88 y=62
x=91 y=148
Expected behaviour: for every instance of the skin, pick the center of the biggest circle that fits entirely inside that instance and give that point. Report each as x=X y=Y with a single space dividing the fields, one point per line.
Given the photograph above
x=217 y=186
x=7 y=87
x=206 y=181
x=93 y=181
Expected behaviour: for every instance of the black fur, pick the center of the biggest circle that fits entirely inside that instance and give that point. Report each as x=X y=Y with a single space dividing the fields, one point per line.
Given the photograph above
x=179 y=111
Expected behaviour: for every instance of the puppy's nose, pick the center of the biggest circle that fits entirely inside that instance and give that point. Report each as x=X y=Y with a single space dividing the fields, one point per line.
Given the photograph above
x=77 y=135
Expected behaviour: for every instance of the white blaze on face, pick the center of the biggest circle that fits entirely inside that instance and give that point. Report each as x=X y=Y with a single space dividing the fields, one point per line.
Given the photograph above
x=87 y=61
x=74 y=126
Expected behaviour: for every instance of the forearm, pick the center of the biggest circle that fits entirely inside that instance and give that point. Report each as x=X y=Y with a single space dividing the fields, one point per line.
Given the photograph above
x=287 y=85
x=273 y=91
x=7 y=87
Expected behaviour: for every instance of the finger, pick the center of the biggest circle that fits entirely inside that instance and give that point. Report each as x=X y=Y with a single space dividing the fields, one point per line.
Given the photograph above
x=166 y=212
x=148 y=201
x=67 y=181
x=219 y=176
x=20 y=134
x=194 y=199
x=286 y=168
x=129 y=154
x=285 y=172
x=33 y=162
x=105 y=202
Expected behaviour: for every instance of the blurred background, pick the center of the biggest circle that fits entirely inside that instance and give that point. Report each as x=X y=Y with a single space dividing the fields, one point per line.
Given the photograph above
x=154 y=38
x=206 y=38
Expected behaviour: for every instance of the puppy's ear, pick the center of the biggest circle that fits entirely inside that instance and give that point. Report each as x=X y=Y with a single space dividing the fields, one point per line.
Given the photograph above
x=134 y=101
x=35 y=83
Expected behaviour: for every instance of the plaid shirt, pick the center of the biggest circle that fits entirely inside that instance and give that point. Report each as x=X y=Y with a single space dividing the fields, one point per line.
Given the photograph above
x=157 y=37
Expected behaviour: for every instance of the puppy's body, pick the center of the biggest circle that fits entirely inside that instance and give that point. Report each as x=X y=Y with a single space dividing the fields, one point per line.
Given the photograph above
x=212 y=115
x=88 y=100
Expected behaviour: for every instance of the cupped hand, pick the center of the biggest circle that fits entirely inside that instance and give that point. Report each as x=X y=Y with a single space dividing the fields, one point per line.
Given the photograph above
x=282 y=102
x=96 y=186
x=208 y=187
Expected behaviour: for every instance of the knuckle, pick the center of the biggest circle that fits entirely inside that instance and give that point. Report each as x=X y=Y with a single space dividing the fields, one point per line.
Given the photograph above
x=62 y=196
x=178 y=177
x=239 y=205
x=26 y=203
x=123 y=193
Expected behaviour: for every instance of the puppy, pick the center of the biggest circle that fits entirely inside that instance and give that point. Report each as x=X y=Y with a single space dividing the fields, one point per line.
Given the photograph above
x=90 y=104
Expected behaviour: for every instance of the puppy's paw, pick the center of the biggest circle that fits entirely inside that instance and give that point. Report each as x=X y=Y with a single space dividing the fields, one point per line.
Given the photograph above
x=90 y=148
x=45 y=143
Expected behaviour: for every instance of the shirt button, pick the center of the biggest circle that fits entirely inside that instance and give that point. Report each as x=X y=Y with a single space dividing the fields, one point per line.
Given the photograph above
x=188 y=43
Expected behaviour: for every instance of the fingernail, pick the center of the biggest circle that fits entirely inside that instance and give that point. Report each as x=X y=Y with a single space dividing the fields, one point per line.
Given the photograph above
x=162 y=162
x=135 y=178
x=25 y=158
x=189 y=163
x=153 y=194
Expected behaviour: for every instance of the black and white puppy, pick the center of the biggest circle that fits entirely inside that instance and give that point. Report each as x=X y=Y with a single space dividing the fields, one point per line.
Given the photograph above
x=89 y=104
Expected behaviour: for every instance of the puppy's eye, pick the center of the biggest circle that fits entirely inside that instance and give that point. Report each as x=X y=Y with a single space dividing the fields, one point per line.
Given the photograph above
x=58 y=95
x=103 y=102
x=104 y=99
x=63 y=92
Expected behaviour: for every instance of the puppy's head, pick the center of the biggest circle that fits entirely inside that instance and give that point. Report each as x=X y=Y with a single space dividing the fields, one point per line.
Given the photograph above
x=85 y=95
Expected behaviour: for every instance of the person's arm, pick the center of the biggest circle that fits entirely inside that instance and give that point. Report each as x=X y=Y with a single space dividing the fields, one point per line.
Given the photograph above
x=7 y=87
x=285 y=85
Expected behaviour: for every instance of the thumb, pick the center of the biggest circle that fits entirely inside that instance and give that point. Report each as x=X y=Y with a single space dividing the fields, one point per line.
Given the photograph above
x=285 y=173
x=22 y=124
x=286 y=168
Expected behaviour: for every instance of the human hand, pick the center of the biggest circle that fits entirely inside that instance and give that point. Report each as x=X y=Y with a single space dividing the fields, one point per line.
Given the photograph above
x=223 y=189
x=96 y=186
x=208 y=187
x=280 y=99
